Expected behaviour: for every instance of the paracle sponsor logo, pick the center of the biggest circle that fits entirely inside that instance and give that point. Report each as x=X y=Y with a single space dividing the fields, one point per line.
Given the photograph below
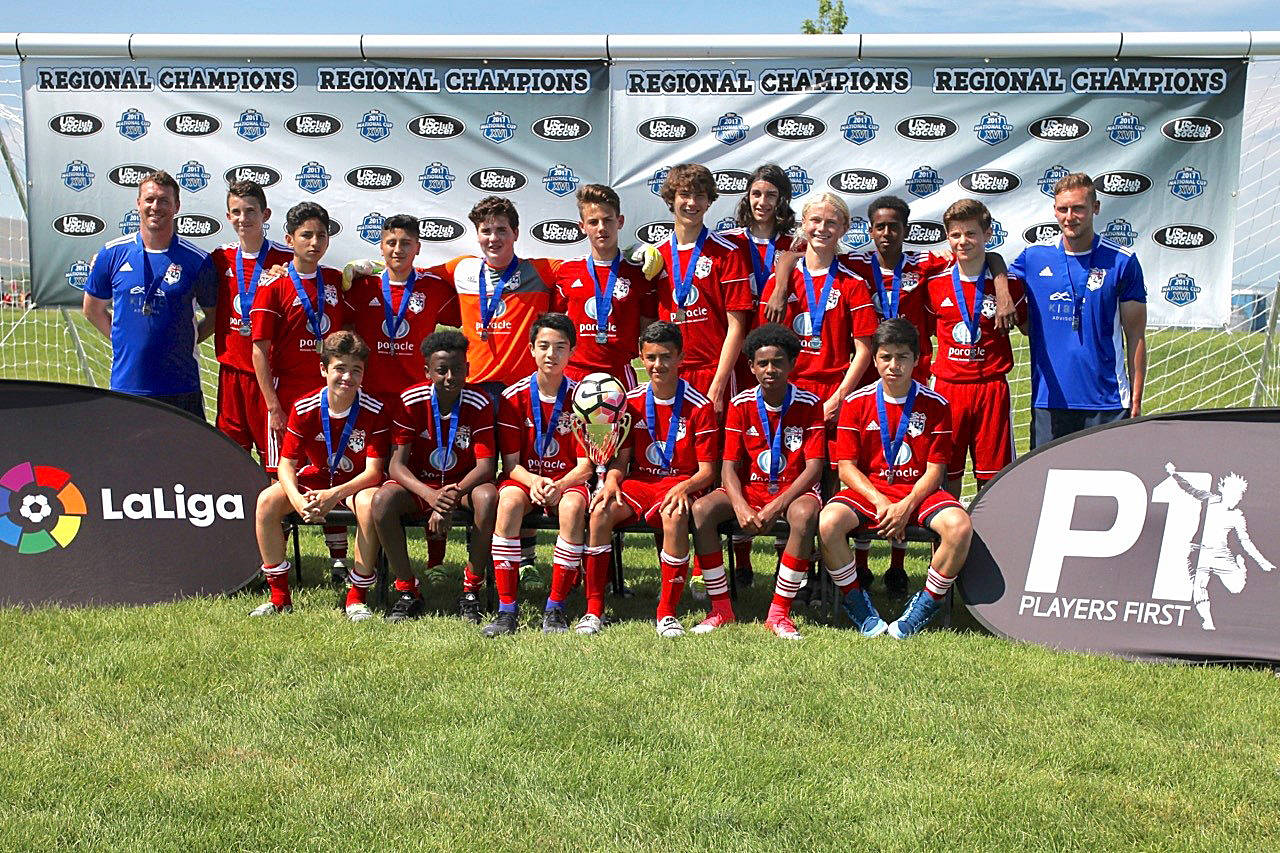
x=75 y=124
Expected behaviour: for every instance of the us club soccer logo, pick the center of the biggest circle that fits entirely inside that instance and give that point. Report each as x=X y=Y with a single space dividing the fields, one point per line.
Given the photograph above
x=375 y=126
x=251 y=126
x=924 y=182
x=1050 y=178
x=192 y=177
x=730 y=129
x=801 y=183
x=77 y=176
x=1125 y=129
x=313 y=178
x=77 y=275
x=858 y=235
x=726 y=224
x=998 y=234
x=133 y=124
x=993 y=128
x=1181 y=290
x=859 y=128
x=1187 y=183
x=1121 y=232
x=131 y=222
x=657 y=179
x=560 y=180
x=436 y=178
x=370 y=228
x=498 y=127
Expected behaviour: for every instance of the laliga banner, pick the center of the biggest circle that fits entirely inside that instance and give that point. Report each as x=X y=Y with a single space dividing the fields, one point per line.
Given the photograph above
x=1156 y=537
x=1161 y=138
x=366 y=140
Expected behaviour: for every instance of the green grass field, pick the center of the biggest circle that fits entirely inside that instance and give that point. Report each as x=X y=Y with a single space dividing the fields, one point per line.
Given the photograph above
x=188 y=726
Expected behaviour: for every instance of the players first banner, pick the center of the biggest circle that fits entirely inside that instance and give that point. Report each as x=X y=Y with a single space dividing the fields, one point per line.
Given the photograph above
x=366 y=140
x=1160 y=138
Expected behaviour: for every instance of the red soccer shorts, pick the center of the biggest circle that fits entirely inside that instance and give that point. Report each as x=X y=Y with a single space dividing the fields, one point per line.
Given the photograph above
x=645 y=497
x=242 y=413
x=627 y=375
x=701 y=378
x=981 y=425
x=508 y=482
x=757 y=494
x=288 y=395
x=932 y=503
x=310 y=478
x=423 y=507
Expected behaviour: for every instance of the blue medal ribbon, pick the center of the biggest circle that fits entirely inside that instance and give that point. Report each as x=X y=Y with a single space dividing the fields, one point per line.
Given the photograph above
x=489 y=304
x=773 y=438
x=314 y=311
x=762 y=269
x=604 y=298
x=971 y=317
x=541 y=436
x=667 y=451
x=817 y=307
x=888 y=300
x=683 y=284
x=1077 y=301
x=398 y=317
x=249 y=291
x=446 y=446
x=891 y=447
x=334 y=458
x=150 y=281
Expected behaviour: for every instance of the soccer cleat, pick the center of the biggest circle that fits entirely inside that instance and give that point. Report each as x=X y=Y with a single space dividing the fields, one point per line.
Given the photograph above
x=783 y=627
x=714 y=620
x=920 y=609
x=589 y=624
x=266 y=608
x=554 y=622
x=670 y=627
x=863 y=613
x=504 y=623
x=338 y=571
x=359 y=612
x=895 y=581
x=469 y=608
x=406 y=607
x=698 y=588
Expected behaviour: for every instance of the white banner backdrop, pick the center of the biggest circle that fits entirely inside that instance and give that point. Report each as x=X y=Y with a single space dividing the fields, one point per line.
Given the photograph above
x=1161 y=138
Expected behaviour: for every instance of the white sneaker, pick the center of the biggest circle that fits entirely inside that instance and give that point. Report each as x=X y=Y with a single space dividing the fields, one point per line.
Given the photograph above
x=589 y=624
x=358 y=612
x=670 y=627
x=266 y=608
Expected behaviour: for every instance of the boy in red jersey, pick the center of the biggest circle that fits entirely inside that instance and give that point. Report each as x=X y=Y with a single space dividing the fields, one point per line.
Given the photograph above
x=668 y=461
x=543 y=469
x=242 y=412
x=444 y=458
x=776 y=431
x=974 y=356
x=291 y=316
x=606 y=295
x=333 y=453
x=901 y=420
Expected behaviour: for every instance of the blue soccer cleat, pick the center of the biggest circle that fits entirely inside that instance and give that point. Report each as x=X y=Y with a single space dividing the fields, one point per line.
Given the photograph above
x=863 y=613
x=920 y=609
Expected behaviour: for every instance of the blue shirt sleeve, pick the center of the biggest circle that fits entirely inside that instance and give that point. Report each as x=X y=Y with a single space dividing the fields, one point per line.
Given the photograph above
x=99 y=282
x=1131 y=285
x=1018 y=269
x=206 y=287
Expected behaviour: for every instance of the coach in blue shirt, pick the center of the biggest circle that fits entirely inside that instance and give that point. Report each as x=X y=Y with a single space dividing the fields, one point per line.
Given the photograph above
x=141 y=294
x=1087 y=311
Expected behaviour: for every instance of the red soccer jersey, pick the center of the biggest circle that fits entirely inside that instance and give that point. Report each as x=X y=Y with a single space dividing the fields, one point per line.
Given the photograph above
x=960 y=359
x=803 y=437
x=232 y=348
x=304 y=436
x=516 y=430
x=415 y=425
x=917 y=268
x=396 y=363
x=848 y=315
x=749 y=244
x=634 y=297
x=719 y=286
x=278 y=316
x=928 y=436
x=695 y=435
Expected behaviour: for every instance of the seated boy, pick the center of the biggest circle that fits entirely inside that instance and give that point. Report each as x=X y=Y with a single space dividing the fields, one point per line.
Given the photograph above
x=333 y=451
x=901 y=420
x=666 y=463
x=443 y=458
x=776 y=431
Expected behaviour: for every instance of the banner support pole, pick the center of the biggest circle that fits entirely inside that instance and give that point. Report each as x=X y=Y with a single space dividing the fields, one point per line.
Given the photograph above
x=1264 y=364
x=79 y=345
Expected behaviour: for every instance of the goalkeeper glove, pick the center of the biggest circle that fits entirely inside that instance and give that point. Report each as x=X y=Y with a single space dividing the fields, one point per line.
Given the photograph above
x=360 y=267
x=647 y=257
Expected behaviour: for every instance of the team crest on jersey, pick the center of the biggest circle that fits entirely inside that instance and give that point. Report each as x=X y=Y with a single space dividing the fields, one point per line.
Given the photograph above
x=463 y=439
x=858 y=235
x=988 y=306
x=859 y=128
x=560 y=180
x=313 y=178
x=730 y=129
x=621 y=288
x=792 y=437
x=924 y=182
x=993 y=128
x=657 y=179
x=417 y=302
x=565 y=425
x=132 y=221
x=915 y=426
x=370 y=228
x=133 y=124
x=498 y=127
x=356 y=444
x=252 y=126
x=1125 y=129
x=375 y=126
x=1120 y=231
x=910 y=281
x=801 y=183
x=436 y=178
x=1181 y=290
x=998 y=233
x=1187 y=183
x=77 y=176
x=1050 y=178
x=77 y=274
x=960 y=334
x=192 y=177
x=702 y=269
x=330 y=294
x=1097 y=277
x=173 y=274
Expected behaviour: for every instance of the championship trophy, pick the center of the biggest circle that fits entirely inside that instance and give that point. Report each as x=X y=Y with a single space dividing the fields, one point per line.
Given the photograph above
x=600 y=419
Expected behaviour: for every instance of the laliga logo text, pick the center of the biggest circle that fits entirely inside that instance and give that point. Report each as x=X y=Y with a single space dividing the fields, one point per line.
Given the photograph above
x=199 y=509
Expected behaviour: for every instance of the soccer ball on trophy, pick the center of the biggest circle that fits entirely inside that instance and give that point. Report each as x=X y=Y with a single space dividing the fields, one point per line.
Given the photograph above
x=600 y=419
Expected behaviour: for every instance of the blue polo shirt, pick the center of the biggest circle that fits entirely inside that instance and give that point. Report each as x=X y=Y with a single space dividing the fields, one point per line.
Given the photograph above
x=153 y=354
x=1078 y=367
